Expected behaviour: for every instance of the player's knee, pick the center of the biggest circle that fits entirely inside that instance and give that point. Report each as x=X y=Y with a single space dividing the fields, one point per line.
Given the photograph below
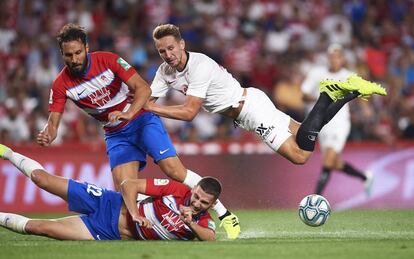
x=39 y=177
x=300 y=158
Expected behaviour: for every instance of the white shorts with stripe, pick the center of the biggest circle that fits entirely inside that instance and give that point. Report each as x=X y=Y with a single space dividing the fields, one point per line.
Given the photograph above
x=259 y=115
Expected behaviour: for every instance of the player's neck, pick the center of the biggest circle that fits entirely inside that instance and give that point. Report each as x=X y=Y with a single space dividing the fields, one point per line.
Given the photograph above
x=184 y=60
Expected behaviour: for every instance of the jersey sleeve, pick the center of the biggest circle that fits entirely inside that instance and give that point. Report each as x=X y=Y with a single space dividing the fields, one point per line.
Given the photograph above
x=164 y=187
x=206 y=221
x=159 y=86
x=120 y=67
x=57 y=98
x=200 y=79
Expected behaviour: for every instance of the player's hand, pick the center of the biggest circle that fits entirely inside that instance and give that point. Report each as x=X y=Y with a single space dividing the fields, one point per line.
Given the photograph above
x=142 y=221
x=43 y=138
x=186 y=214
x=148 y=106
x=118 y=115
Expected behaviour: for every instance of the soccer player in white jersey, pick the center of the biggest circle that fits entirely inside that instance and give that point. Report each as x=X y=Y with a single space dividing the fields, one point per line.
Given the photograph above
x=208 y=85
x=334 y=134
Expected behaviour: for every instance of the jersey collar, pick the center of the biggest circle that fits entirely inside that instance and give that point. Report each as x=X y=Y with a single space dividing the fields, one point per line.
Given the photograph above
x=89 y=65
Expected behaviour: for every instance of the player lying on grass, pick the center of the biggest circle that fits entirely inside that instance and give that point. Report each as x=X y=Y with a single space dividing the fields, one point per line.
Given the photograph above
x=172 y=211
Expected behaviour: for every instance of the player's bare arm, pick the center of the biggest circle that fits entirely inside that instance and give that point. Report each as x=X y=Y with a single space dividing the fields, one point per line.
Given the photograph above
x=186 y=111
x=130 y=188
x=202 y=233
x=142 y=92
x=49 y=132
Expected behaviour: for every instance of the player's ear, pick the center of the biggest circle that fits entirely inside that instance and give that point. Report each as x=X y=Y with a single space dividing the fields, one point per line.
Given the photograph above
x=87 y=47
x=182 y=44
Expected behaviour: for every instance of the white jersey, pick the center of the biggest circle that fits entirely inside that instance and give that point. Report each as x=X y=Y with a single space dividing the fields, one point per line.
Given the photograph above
x=202 y=77
x=310 y=86
x=335 y=133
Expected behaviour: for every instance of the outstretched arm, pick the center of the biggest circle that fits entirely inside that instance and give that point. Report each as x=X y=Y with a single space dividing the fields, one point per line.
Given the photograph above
x=49 y=132
x=129 y=190
x=185 y=112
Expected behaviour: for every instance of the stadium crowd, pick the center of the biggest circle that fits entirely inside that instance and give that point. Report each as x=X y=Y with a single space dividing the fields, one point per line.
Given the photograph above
x=269 y=44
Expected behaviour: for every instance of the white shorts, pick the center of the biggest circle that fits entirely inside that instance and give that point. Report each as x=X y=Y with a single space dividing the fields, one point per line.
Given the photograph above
x=334 y=134
x=260 y=115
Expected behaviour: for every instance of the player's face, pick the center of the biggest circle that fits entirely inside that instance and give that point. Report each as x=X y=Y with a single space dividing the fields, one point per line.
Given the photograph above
x=200 y=200
x=336 y=60
x=74 y=55
x=172 y=51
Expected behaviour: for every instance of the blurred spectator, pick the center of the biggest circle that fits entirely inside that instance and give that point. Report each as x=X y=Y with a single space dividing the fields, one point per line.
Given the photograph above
x=268 y=44
x=14 y=123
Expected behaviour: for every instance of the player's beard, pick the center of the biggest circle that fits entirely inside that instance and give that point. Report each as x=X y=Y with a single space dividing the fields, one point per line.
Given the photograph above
x=79 y=72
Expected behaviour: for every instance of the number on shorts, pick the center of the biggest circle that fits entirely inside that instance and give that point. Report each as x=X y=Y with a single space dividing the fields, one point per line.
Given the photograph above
x=94 y=190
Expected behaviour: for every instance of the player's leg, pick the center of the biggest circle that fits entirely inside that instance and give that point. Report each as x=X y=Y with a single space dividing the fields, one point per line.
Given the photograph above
x=329 y=158
x=290 y=148
x=125 y=158
x=334 y=95
x=323 y=180
x=68 y=228
x=124 y=171
x=35 y=171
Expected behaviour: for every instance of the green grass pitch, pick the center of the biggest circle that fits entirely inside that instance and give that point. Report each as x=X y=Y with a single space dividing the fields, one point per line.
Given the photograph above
x=265 y=234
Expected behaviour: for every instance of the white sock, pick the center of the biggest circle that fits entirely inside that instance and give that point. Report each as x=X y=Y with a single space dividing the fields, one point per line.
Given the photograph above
x=14 y=222
x=191 y=180
x=24 y=164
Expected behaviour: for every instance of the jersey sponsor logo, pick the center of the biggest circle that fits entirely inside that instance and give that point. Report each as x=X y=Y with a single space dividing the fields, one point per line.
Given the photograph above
x=159 y=182
x=171 y=221
x=264 y=131
x=211 y=224
x=51 y=97
x=163 y=151
x=123 y=64
x=100 y=97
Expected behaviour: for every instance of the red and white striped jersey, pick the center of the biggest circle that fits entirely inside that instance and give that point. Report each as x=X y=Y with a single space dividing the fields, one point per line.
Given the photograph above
x=99 y=91
x=162 y=209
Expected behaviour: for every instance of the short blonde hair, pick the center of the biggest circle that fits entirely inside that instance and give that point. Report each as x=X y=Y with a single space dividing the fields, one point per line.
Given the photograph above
x=163 y=30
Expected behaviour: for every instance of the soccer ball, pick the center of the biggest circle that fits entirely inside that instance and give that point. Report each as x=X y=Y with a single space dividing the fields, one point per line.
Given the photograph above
x=314 y=210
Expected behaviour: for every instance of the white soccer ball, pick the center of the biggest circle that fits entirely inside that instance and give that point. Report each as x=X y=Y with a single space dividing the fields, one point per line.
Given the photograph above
x=314 y=210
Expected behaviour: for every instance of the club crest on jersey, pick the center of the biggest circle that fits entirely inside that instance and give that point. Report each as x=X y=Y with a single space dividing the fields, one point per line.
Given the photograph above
x=106 y=80
x=158 y=182
x=100 y=97
x=123 y=63
x=184 y=89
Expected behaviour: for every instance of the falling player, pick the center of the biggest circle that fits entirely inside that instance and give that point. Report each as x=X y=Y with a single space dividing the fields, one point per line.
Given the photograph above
x=210 y=86
x=172 y=211
x=99 y=84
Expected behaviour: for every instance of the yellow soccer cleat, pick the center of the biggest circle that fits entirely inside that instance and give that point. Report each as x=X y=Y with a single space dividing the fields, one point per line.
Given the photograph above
x=366 y=88
x=231 y=224
x=3 y=150
x=336 y=89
